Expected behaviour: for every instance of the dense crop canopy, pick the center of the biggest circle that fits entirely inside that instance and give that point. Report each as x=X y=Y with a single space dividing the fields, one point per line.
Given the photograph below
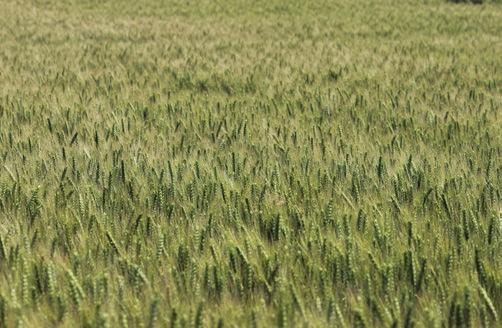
x=250 y=163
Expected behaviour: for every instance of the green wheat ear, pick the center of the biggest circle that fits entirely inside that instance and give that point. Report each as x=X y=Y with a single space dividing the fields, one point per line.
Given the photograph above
x=154 y=313
x=489 y=303
x=76 y=292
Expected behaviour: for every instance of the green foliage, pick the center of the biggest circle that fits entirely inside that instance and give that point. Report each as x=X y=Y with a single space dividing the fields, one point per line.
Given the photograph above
x=250 y=163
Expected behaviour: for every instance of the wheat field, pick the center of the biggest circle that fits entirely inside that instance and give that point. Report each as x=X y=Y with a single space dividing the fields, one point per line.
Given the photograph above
x=247 y=163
